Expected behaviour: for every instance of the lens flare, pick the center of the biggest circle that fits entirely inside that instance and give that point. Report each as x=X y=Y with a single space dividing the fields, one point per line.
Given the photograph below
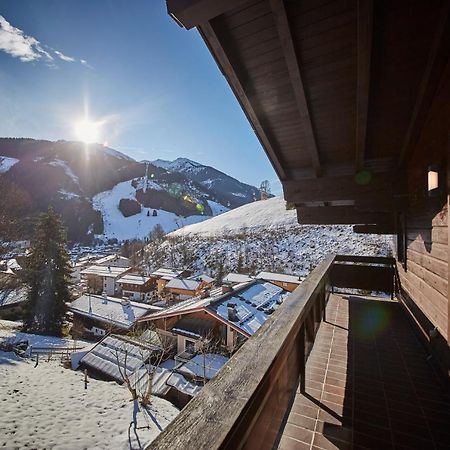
x=87 y=131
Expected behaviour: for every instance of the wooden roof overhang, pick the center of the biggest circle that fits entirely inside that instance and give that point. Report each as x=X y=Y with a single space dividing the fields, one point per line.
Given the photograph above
x=336 y=91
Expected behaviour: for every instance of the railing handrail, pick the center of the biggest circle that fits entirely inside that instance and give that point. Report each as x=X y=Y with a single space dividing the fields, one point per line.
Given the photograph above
x=208 y=421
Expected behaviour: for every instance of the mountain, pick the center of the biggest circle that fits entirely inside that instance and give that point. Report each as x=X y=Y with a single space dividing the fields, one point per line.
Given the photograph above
x=262 y=235
x=226 y=190
x=103 y=193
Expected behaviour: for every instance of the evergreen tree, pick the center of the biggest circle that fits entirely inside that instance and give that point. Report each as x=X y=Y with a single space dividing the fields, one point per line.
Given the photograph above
x=47 y=274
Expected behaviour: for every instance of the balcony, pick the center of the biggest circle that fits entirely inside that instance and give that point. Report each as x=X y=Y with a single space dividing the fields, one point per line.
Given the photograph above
x=334 y=367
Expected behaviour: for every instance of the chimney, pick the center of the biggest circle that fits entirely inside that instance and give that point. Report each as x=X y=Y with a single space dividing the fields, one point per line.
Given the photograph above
x=125 y=302
x=205 y=293
x=104 y=298
x=232 y=314
x=227 y=288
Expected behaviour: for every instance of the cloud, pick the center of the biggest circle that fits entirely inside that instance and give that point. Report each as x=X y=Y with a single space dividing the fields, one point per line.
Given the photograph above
x=17 y=44
x=64 y=57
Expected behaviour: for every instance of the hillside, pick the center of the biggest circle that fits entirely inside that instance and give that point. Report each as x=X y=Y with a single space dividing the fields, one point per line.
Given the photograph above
x=260 y=236
x=102 y=193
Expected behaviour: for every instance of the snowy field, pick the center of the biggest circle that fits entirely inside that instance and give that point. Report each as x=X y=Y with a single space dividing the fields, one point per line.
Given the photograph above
x=6 y=163
x=47 y=407
x=138 y=225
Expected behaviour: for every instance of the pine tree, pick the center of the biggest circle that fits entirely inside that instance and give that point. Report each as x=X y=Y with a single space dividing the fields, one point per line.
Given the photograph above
x=47 y=274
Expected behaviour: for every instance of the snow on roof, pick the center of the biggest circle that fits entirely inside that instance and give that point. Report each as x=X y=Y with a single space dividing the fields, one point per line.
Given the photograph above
x=203 y=277
x=111 y=259
x=112 y=351
x=133 y=278
x=104 y=271
x=113 y=311
x=270 y=276
x=9 y=297
x=237 y=278
x=183 y=283
x=167 y=274
x=253 y=305
x=203 y=365
x=253 y=302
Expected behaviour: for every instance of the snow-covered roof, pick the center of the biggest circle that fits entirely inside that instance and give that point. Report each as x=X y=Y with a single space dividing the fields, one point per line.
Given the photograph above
x=203 y=277
x=253 y=303
x=114 y=310
x=9 y=297
x=133 y=278
x=112 y=259
x=206 y=365
x=183 y=283
x=166 y=274
x=112 y=351
x=270 y=276
x=237 y=278
x=104 y=271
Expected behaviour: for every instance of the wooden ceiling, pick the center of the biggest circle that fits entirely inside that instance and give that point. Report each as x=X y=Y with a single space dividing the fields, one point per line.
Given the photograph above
x=336 y=92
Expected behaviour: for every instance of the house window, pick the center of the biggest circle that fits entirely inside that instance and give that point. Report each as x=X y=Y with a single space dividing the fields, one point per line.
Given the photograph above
x=98 y=331
x=284 y=284
x=189 y=346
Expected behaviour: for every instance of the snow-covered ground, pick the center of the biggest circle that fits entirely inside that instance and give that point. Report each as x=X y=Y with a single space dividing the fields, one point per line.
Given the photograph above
x=260 y=236
x=6 y=163
x=48 y=407
x=138 y=225
x=267 y=214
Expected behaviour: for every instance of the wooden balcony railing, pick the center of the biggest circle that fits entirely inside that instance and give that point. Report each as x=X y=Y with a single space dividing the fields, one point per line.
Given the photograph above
x=245 y=404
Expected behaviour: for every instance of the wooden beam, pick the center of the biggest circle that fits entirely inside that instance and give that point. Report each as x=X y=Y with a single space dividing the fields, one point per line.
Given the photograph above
x=292 y=62
x=364 y=45
x=437 y=58
x=213 y=42
x=339 y=215
x=328 y=189
x=375 y=229
x=191 y=13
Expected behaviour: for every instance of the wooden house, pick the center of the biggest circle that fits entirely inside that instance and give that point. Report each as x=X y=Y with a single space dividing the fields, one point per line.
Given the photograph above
x=350 y=100
x=164 y=275
x=103 y=278
x=184 y=288
x=136 y=287
x=288 y=282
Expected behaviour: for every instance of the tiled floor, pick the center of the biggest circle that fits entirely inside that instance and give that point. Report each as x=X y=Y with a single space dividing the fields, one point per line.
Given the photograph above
x=368 y=384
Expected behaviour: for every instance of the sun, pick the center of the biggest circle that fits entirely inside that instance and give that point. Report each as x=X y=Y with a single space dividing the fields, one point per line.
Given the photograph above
x=87 y=131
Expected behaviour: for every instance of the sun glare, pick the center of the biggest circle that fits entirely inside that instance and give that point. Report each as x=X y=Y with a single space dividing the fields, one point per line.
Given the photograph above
x=87 y=131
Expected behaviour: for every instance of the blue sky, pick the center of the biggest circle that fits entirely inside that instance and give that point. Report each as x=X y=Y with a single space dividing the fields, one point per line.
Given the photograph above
x=154 y=86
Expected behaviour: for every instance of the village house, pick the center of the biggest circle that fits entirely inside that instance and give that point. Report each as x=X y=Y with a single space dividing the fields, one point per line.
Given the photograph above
x=136 y=287
x=103 y=278
x=12 y=303
x=96 y=315
x=114 y=261
x=227 y=317
x=288 y=282
x=184 y=288
x=236 y=278
x=163 y=275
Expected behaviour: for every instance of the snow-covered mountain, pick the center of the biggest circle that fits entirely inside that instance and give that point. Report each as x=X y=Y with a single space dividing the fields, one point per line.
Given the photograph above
x=227 y=190
x=263 y=235
x=103 y=193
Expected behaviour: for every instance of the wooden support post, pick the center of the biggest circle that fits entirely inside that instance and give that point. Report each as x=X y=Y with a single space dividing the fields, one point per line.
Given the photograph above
x=302 y=357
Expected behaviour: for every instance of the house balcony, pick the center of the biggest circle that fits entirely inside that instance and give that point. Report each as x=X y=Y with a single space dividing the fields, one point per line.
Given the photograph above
x=340 y=365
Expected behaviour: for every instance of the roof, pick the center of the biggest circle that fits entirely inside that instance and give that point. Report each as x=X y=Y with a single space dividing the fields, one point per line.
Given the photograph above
x=110 y=352
x=203 y=277
x=254 y=302
x=203 y=365
x=237 y=278
x=166 y=274
x=183 y=283
x=113 y=311
x=104 y=271
x=9 y=297
x=270 y=276
x=326 y=102
x=193 y=327
x=132 y=278
x=111 y=259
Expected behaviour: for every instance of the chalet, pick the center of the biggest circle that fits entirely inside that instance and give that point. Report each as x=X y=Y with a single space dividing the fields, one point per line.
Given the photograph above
x=350 y=100
x=236 y=278
x=228 y=316
x=12 y=303
x=164 y=275
x=288 y=282
x=114 y=261
x=135 y=287
x=184 y=288
x=103 y=278
x=96 y=315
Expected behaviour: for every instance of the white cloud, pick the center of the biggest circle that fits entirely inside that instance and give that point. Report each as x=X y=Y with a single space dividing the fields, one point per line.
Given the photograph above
x=17 y=44
x=64 y=57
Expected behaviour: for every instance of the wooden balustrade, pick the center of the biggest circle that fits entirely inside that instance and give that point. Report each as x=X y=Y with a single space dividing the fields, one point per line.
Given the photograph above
x=244 y=406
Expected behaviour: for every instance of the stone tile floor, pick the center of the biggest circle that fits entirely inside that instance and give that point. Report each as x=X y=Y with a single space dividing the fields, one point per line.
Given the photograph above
x=368 y=384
